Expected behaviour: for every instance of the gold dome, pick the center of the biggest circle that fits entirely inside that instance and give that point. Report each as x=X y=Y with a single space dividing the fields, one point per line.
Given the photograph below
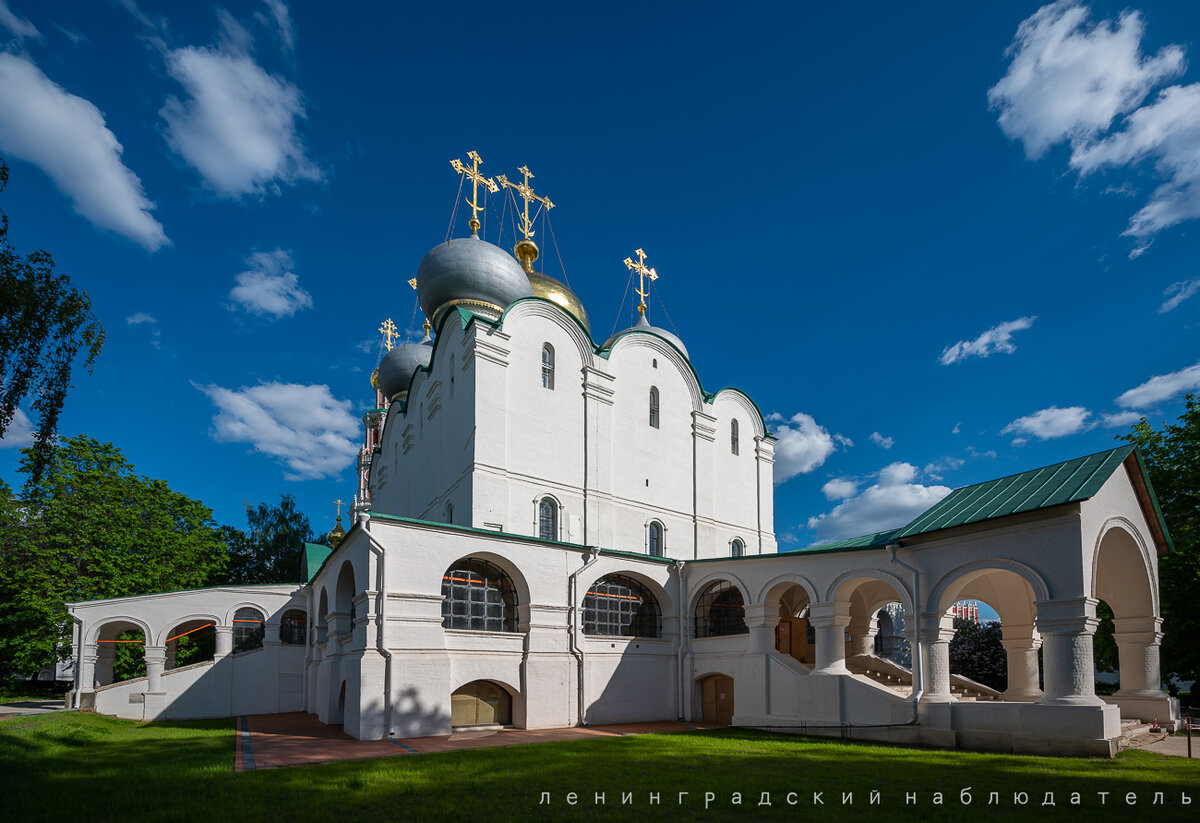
x=336 y=533
x=375 y=379
x=550 y=289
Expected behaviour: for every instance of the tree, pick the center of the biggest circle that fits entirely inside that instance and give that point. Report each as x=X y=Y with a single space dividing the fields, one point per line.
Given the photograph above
x=270 y=553
x=89 y=527
x=44 y=323
x=976 y=652
x=1172 y=457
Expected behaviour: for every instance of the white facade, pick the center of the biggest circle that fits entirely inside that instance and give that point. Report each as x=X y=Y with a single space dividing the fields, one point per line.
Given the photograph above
x=484 y=441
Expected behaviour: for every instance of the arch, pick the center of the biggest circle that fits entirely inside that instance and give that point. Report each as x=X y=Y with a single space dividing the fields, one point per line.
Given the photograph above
x=737 y=547
x=941 y=590
x=666 y=602
x=540 y=307
x=655 y=411
x=720 y=610
x=194 y=638
x=547 y=517
x=619 y=606
x=631 y=339
x=134 y=623
x=481 y=702
x=838 y=590
x=1126 y=560
x=346 y=588
x=323 y=606
x=774 y=588
x=740 y=398
x=547 y=366
x=656 y=536
x=478 y=595
x=293 y=627
x=249 y=628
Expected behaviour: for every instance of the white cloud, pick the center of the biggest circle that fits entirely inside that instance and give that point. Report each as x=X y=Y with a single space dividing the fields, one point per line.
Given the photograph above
x=839 y=488
x=1120 y=419
x=282 y=19
x=1050 y=423
x=937 y=469
x=1069 y=80
x=1161 y=387
x=996 y=339
x=881 y=441
x=19 y=26
x=893 y=501
x=1176 y=293
x=803 y=445
x=66 y=137
x=304 y=427
x=141 y=318
x=957 y=429
x=19 y=434
x=238 y=124
x=269 y=286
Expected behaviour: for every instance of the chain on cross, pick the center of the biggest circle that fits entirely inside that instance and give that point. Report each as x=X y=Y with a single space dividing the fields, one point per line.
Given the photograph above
x=476 y=178
x=643 y=271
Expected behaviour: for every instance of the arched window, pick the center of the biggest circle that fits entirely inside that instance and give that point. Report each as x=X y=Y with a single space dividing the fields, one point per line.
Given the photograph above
x=547 y=366
x=449 y=513
x=653 y=407
x=618 y=606
x=733 y=436
x=248 y=629
x=477 y=595
x=737 y=548
x=548 y=519
x=720 y=611
x=655 y=539
x=293 y=625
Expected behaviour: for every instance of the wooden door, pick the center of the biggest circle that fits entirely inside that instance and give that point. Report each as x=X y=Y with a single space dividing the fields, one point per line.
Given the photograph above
x=716 y=694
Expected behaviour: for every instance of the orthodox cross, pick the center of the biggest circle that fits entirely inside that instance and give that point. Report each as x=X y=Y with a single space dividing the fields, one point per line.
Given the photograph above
x=526 y=192
x=339 y=505
x=643 y=271
x=476 y=178
x=388 y=330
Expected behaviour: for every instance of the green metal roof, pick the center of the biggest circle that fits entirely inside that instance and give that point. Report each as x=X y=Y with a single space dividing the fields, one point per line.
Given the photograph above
x=311 y=559
x=867 y=541
x=1055 y=485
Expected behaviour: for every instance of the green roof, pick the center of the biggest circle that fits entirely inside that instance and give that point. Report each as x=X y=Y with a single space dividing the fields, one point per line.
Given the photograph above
x=312 y=558
x=1068 y=482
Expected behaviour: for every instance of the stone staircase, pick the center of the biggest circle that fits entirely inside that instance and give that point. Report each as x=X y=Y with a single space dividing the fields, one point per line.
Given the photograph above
x=1136 y=733
x=899 y=679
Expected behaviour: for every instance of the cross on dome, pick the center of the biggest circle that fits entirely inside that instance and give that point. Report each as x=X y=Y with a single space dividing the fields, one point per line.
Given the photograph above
x=476 y=178
x=643 y=271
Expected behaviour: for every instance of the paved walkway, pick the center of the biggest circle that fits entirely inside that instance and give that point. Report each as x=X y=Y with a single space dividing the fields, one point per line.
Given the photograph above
x=267 y=741
x=24 y=707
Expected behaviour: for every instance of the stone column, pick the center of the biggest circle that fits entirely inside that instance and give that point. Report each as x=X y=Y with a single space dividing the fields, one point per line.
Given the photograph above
x=1066 y=627
x=862 y=635
x=762 y=628
x=1021 y=648
x=829 y=620
x=224 y=646
x=935 y=658
x=1138 y=640
x=87 y=668
x=156 y=658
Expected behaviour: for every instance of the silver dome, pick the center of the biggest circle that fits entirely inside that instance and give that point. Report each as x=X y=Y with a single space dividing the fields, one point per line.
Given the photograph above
x=644 y=325
x=397 y=367
x=472 y=273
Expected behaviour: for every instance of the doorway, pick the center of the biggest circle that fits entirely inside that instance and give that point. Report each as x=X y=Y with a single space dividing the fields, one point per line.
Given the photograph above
x=716 y=693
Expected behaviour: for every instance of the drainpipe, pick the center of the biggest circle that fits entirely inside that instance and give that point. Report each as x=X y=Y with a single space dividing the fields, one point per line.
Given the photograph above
x=680 y=653
x=75 y=698
x=591 y=555
x=918 y=672
x=380 y=640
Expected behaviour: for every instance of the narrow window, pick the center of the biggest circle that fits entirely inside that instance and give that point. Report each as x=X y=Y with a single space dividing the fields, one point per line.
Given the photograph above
x=548 y=519
x=733 y=436
x=737 y=548
x=451 y=377
x=656 y=539
x=653 y=407
x=449 y=512
x=547 y=366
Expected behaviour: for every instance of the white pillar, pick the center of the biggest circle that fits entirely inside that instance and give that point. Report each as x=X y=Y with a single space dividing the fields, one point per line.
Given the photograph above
x=935 y=652
x=762 y=628
x=224 y=646
x=862 y=635
x=1021 y=649
x=105 y=657
x=1138 y=640
x=829 y=620
x=1066 y=627
x=156 y=658
x=87 y=668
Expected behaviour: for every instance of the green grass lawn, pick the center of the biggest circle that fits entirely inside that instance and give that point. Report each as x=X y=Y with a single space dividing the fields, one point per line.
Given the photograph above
x=70 y=766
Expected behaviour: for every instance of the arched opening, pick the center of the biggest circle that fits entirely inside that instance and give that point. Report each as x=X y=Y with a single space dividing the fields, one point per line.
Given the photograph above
x=733 y=436
x=478 y=596
x=449 y=514
x=322 y=616
x=848 y=639
x=618 y=606
x=548 y=518
x=720 y=611
x=794 y=634
x=1126 y=643
x=340 y=717
x=481 y=703
x=249 y=628
x=190 y=642
x=120 y=652
x=344 y=599
x=716 y=699
x=548 y=367
x=890 y=642
x=654 y=539
x=653 y=407
x=293 y=627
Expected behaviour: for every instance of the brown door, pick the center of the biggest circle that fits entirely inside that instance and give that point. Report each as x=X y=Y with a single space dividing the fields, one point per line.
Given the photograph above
x=481 y=703
x=716 y=694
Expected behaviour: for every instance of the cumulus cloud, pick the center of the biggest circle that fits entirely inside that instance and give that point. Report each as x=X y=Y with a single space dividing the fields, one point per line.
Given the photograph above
x=803 y=445
x=238 y=124
x=937 y=469
x=19 y=26
x=66 y=137
x=1176 y=293
x=839 y=488
x=1161 y=387
x=305 y=428
x=1120 y=419
x=996 y=339
x=881 y=441
x=269 y=286
x=141 y=318
x=1050 y=423
x=19 y=434
x=894 y=500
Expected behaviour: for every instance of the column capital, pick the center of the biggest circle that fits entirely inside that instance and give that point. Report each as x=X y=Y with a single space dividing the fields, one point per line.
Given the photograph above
x=832 y=613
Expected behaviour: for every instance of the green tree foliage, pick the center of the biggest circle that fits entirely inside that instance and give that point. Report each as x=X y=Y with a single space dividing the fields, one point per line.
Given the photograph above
x=44 y=323
x=270 y=552
x=89 y=527
x=1172 y=457
x=976 y=652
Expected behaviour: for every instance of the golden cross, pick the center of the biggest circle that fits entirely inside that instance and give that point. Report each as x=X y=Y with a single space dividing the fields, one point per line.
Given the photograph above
x=476 y=178
x=388 y=330
x=526 y=192
x=643 y=271
x=412 y=281
x=339 y=505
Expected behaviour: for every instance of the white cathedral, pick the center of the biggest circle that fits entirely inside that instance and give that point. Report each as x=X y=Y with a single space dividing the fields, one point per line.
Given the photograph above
x=553 y=532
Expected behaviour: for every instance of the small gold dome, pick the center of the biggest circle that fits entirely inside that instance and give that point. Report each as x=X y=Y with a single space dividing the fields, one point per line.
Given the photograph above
x=337 y=533
x=550 y=289
x=375 y=379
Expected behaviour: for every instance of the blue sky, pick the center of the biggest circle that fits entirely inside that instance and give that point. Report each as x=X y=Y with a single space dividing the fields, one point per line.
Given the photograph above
x=937 y=245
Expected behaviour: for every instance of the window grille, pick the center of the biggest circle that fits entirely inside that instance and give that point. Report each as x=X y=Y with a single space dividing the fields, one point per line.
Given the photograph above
x=478 y=595
x=618 y=606
x=720 y=611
